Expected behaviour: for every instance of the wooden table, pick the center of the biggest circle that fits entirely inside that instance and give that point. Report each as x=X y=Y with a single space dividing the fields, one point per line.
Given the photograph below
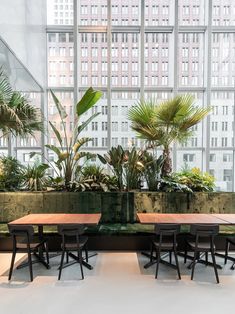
x=182 y=219
x=185 y=219
x=229 y=218
x=41 y=220
x=57 y=219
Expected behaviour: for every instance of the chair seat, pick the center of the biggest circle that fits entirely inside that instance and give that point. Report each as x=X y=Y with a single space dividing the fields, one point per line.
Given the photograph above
x=34 y=243
x=164 y=245
x=72 y=245
x=201 y=246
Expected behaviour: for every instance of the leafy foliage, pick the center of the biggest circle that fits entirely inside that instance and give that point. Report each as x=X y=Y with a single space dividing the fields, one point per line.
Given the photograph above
x=34 y=177
x=17 y=115
x=152 y=170
x=93 y=178
x=127 y=166
x=69 y=154
x=170 y=121
x=196 y=180
x=169 y=184
x=10 y=174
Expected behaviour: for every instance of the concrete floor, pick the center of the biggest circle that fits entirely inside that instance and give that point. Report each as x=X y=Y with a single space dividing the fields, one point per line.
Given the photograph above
x=118 y=284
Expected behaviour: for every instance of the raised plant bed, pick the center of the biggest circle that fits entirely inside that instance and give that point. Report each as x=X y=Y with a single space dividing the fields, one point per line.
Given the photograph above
x=119 y=228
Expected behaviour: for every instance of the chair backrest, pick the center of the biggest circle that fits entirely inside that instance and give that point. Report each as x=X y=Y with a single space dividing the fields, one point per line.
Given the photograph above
x=167 y=229
x=204 y=230
x=21 y=230
x=71 y=229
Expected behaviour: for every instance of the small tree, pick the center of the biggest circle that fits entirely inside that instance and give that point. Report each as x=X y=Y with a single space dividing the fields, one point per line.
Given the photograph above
x=170 y=121
x=68 y=152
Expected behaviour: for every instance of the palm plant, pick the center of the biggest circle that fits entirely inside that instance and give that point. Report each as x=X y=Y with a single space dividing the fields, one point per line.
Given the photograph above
x=93 y=178
x=166 y=123
x=68 y=152
x=17 y=115
x=34 y=177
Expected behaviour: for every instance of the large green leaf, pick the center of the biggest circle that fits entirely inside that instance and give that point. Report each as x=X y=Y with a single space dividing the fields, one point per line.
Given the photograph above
x=59 y=107
x=54 y=149
x=88 y=100
x=102 y=159
x=80 y=143
x=57 y=133
x=85 y=123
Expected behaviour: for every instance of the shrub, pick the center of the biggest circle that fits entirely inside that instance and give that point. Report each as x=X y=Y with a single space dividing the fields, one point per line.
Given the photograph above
x=10 y=174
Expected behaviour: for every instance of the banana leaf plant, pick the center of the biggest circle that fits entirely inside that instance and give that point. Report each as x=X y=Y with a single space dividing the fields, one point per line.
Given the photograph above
x=126 y=165
x=152 y=170
x=68 y=152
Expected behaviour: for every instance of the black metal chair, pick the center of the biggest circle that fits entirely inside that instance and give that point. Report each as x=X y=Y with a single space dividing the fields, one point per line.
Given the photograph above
x=203 y=242
x=24 y=241
x=165 y=241
x=229 y=241
x=72 y=240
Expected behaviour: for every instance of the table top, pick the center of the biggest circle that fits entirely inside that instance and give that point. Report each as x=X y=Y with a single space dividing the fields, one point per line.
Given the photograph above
x=230 y=218
x=183 y=219
x=56 y=219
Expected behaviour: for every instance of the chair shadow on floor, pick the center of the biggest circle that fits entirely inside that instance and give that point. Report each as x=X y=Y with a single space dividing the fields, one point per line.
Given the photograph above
x=21 y=276
x=203 y=275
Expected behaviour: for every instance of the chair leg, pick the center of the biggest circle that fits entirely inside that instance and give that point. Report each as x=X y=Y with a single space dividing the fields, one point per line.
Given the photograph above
x=158 y=262
x=177 y=264
x=30 y=265
x=61 y=264
x=226 y=251
x=185 y=255
x=12 y=264
x=80 y=262
x=47 y=252
x=193 y=264
x=170 y=257
x=67 y=257
x=214 y=264
x=86 y=252
x=206 y=257
x=151 y=252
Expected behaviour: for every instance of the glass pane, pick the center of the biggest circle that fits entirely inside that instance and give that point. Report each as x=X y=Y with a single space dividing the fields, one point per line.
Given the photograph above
x=158 y=58
x=120 y=126
x=190 y=153
x=192 y=12
x=92 y=12
x=191 y=59
x=60 y=59
x=93 y=64
x=125 y=12
x=223 y=13
x=221 y=138
x=223 y=59
x=97 y=129
x=159 y=12
x=224 y=172
x=59 y=12
x=66 y=99
x=125 y=65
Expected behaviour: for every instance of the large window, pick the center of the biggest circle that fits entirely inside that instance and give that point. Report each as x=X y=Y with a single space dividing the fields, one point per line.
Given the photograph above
x=141 y=49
